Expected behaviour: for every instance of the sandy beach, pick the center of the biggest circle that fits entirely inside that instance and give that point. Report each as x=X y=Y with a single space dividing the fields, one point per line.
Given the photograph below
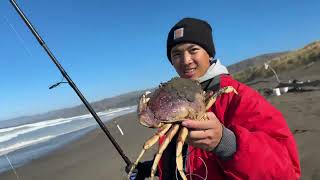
x=93 y=157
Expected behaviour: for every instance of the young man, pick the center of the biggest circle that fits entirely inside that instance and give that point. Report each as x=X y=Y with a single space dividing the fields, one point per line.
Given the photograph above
x=245 y=136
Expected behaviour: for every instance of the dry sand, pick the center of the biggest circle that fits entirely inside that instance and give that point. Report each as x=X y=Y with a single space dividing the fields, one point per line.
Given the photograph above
x=94 y=158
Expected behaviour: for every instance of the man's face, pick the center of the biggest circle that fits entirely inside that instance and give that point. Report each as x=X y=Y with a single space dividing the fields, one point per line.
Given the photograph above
x=191 y=61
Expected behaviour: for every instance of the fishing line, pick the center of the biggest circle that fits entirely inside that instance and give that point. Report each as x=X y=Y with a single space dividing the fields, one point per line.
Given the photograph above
x=20 y=39
x=14 y=170
x=193 y=174
x=197 y=175
x=23 y=43
x=71 y=83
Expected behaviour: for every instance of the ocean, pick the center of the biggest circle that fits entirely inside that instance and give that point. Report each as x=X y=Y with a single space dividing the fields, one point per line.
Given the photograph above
x=22 y=143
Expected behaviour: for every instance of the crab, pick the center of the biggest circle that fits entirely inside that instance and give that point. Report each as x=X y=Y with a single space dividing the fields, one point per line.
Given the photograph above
x=165 y=109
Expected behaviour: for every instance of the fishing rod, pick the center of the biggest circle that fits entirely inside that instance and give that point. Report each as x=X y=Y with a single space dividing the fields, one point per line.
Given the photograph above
x=71 y=83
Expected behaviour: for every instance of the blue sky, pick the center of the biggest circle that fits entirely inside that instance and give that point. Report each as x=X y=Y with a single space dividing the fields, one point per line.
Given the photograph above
x=112 y=47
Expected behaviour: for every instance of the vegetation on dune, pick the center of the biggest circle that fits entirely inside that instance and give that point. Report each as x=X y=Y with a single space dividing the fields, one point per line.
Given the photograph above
x=304 y=56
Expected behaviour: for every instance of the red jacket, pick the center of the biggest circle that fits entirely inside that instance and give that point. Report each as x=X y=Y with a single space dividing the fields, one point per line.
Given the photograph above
x=266 y=148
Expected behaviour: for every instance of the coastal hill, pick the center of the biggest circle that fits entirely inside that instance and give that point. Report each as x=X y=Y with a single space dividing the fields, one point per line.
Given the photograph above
x=286 y=62
x=247 y=70
x=257 y=60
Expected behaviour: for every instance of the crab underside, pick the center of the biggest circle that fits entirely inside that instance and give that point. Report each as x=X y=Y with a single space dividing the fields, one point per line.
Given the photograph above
x=165 y=108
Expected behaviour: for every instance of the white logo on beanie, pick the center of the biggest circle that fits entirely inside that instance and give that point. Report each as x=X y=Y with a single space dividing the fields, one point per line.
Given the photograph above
x=178 y=33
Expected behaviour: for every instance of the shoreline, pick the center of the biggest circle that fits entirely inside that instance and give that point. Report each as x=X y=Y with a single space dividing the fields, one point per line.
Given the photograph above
x=92 y=156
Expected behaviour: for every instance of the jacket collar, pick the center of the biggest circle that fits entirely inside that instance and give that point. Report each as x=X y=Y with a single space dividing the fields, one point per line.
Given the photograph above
x=214 y=70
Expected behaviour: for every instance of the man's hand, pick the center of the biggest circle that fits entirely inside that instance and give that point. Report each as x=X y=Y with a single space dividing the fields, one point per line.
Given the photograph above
x=204 y=134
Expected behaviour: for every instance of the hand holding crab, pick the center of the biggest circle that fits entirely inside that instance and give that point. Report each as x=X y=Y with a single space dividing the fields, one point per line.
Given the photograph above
x=174 y=102
x=204 y=134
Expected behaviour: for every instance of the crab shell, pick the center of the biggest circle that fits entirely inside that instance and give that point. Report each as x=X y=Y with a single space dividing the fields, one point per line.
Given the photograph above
x=173 y=101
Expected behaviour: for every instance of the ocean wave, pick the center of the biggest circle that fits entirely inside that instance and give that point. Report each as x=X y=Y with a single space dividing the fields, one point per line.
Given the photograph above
x=40 y=137
x=7 y=134
x=10 y=133
x=23 y=144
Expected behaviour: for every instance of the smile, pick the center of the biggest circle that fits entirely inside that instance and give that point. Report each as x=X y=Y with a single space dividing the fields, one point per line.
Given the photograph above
x=189 y=72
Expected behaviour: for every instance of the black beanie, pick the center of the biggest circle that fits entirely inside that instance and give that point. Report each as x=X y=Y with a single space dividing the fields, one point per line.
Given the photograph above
x=191 y=30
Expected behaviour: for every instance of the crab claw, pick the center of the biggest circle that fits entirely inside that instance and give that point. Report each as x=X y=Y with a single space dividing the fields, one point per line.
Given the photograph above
x=229 y=89
x=143 y=102
x=145 y=99
x=145 y=115
x=212 y=98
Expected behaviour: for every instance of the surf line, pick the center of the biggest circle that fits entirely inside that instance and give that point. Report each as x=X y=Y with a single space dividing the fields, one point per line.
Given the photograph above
x=71 y=83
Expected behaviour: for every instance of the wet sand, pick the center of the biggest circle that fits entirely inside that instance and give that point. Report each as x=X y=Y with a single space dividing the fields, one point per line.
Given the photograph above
x=93 y=157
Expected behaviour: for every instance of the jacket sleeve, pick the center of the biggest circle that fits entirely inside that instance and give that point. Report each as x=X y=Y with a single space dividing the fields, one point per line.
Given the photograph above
x=266 y=148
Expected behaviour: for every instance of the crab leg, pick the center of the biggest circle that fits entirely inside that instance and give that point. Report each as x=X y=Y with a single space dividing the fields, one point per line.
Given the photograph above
x=179 y=160
x=184 y=131
x=162 y=147
x=213 y=98
x=149 y=143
